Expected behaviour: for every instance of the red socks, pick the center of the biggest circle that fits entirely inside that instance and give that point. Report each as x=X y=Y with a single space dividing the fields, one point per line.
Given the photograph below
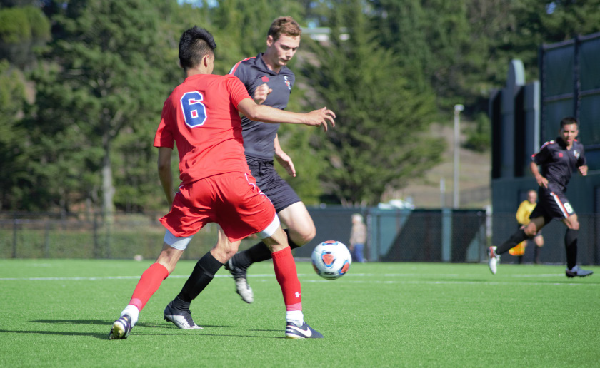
x=285 y=273
x=148 y=284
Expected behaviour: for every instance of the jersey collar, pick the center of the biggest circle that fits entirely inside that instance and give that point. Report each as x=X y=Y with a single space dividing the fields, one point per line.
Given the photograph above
x=260 y=64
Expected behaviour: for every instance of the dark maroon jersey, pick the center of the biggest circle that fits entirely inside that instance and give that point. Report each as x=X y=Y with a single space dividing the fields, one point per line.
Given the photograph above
x=558 y=163
x=253 y=72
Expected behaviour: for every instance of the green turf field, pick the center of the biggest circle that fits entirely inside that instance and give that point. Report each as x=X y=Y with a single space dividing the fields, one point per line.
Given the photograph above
x=58 y=313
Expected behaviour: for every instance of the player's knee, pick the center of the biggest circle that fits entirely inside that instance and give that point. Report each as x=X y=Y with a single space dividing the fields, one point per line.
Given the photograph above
x=167 y=263
x=224 y=249
x=310 y=234
x=304 y=236
x=530 y=230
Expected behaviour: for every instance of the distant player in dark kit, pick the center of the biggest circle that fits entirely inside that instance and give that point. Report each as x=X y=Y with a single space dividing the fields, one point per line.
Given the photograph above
x=557 y=159
x=201 y=116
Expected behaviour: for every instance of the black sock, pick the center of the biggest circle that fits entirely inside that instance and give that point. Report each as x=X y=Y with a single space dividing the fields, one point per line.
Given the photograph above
x=203 y=273
x=257 y=253
x=512 y=242
x=536 y=254
x=290 y=241
x=571 y=247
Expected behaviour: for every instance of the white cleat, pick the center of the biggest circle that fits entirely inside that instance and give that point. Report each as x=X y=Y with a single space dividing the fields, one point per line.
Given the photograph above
x=241 y=283
x=493 y=259
x=244 y=290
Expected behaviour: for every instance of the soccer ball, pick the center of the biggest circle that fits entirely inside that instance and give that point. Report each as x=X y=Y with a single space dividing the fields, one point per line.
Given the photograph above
x=331 y=259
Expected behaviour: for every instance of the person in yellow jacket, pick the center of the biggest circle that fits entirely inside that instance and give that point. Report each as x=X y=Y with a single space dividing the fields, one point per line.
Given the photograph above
x=522 y=216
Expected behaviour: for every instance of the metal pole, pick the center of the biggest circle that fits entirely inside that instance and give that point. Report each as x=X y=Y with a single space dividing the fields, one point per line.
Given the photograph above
x=442 y=193
x=457 y=110
x=15 y=224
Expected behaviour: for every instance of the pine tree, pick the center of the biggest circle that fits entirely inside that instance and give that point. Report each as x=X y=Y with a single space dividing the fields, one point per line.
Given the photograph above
x=104 y=73
x=377 y=142
x=12 y=99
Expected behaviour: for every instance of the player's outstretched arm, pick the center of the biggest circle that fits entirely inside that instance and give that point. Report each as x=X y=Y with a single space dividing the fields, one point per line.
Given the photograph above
x=266 y=114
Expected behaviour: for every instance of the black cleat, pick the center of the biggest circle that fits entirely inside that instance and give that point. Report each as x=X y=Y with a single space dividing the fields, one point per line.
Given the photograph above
x=182 y=318
x=304 y=331
x=578 y=272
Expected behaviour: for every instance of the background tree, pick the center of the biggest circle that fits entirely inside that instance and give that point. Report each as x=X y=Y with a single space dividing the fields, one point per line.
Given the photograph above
x=105 y=73
x=534 y=23
x=100 y=83
x=376 y=142
x=23 y=29
x=12 y=99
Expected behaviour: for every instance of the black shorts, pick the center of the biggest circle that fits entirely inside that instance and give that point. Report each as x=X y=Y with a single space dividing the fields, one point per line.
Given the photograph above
x=271 y=184
x=552 y=205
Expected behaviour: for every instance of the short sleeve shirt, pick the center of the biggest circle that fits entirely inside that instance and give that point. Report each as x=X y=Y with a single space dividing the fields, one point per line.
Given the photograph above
x=201 y=118
x=558 y=163
x=253 y=72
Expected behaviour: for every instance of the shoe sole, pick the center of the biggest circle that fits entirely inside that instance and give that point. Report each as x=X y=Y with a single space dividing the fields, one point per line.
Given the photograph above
x=297 y=333
x=169 y=318
x=298 y=337
x=573 y=276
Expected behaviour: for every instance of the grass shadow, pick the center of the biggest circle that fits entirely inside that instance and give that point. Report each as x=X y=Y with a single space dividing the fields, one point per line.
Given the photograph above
x=108 y=323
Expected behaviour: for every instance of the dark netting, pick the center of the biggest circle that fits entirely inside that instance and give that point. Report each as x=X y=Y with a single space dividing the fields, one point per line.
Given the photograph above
x=393 y=235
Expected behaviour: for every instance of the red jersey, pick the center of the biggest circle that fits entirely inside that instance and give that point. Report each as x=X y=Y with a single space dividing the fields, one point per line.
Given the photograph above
x=201 y=117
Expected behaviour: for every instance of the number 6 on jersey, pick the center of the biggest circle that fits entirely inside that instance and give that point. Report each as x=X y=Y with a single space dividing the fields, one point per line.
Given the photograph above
x=194 y=111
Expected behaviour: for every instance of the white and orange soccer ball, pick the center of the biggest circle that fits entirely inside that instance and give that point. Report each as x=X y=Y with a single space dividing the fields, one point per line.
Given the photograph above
x=331 y=259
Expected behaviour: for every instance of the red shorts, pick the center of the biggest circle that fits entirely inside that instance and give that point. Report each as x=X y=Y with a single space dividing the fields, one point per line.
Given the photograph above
x=231 y=200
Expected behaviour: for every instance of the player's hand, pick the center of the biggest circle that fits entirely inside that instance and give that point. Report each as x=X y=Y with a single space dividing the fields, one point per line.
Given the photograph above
x=261 y=92
x=583 y=170
x=542 y=182
x=321 y=117
x=286 y=162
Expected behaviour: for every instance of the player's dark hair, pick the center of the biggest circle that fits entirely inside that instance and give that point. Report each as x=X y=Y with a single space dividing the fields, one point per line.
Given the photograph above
x=568 y=121
x=284 y=26
x=195 y=43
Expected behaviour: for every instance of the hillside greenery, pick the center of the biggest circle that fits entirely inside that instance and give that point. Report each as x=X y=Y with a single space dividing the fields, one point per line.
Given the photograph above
x=82 y=84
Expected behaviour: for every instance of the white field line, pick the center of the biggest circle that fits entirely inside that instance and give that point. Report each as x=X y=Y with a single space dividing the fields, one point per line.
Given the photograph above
x=353 y=278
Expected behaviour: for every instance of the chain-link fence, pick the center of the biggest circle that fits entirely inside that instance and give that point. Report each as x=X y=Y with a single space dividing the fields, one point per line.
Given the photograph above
x=393 y=235
x=125 y=236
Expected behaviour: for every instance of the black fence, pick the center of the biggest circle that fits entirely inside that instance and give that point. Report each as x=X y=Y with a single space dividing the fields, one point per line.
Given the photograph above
x=393 y=235
x=90 y=235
